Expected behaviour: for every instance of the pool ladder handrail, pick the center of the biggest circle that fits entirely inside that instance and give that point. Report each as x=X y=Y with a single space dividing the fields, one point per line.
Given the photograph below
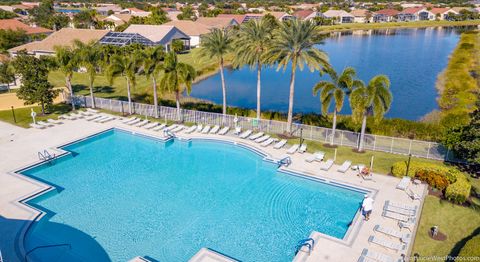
x=45 y=156
x=286 y=161
x=168 y=133
x=308 y=242
x=46 y=246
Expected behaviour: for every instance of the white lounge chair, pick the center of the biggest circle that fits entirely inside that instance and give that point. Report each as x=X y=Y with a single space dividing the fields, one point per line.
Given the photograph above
x=99 y=119
x=326 y=165
x=245 y=134
x=412 y=194
x=68 y=117
x=177 y=129
x=404 y=183
x=199 y=128
x=400 y=205
x=293 y=149
x=404 y=237
x=93 y=117
x=345 y=166
x=205 y=129
x=85 y=113
x=396 y=216
x=224 y=130
x=262 y=138
x=238 y=129
x=151 y=125
x=268 y=142
x=317 y=156
x=408 y=225
x=191 y=129
x=92 y=110
x=142 y=123
x=280 y=144
x=302 y=149
x=255 y=136
x=37 y=126
x=105 y=120
x=76 y=115
x=45 y=124
x=128 y=120
x=160 y=127
x=215 y=129
x=134 y=122
x=169 y=128
x=386 y=244
x=406 y=212
x=54 y=121
x=376 y=256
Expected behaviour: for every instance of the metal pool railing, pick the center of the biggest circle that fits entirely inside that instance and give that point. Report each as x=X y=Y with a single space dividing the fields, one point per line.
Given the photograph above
x=394 y=145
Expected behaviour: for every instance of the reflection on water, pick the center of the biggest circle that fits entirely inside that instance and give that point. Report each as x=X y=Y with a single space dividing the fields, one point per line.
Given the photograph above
x=411 y=58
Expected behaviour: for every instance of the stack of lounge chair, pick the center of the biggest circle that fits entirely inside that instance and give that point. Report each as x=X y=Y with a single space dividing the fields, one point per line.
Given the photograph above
x=280 y=144
x=317 y=156
x=245 y=134
x=404 y=183
x=293 y=149
x=345 y=166
x=326 y=165
x=255 y=136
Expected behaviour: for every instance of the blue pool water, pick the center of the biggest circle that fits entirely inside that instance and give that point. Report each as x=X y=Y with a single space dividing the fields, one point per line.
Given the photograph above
x=411 y=58
x=121 y=195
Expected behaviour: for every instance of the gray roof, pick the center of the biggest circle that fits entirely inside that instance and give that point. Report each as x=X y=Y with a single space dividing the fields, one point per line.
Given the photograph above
x=159 y=34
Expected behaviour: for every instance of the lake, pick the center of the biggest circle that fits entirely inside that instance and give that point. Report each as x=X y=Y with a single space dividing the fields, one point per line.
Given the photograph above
x=411 y=58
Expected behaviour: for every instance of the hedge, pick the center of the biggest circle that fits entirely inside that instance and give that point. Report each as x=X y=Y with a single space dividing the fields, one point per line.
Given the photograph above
x=471 y=248
x=453 y=182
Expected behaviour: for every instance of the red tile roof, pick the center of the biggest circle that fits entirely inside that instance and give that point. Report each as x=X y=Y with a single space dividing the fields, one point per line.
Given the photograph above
x=14 y=24
x=238 y=18
x=440 y=10
x=302 y=13
x=389 y=12
x=411 y=10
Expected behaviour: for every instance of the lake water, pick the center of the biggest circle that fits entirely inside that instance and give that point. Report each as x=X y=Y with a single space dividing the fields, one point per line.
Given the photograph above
x=411 y=58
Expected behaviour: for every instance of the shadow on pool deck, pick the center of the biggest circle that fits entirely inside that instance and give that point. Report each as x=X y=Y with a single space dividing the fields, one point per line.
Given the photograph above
x=49 y=250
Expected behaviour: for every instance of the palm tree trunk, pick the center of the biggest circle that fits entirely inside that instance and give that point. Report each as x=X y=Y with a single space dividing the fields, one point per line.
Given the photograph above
x=292 y=93
x=69 y=86
x=362 y=133
x=177 y=100
x=91 y=92
x=224 y=89
x=334 y=126
x=155 y=98
x=259 y=71
x=129 y=97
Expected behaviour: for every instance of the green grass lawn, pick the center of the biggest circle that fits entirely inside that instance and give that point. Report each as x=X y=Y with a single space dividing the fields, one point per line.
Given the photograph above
x=360 y=26
x=23 y=117
x=457 y=222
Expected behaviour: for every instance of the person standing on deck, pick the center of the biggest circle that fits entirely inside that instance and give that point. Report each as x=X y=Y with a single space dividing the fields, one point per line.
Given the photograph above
x=367 y=207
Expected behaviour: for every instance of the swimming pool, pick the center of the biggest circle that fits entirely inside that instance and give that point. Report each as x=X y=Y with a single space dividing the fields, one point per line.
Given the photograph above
x=120 y=195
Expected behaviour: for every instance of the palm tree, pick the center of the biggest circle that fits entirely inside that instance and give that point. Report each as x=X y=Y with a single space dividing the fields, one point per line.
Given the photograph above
x=217 y=44
x=126 y=66
x=67 y=61
x=374 y=99
x=251 y=47
x=177 y=77
x=152 y=64
x=294 y=43
x=336 y=89
x=88 y=57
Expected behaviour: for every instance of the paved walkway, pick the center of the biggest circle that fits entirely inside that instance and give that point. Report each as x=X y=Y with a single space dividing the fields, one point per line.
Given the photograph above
x=19 y=147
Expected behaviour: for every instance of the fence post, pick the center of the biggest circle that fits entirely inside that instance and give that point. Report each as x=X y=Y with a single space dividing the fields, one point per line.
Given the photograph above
x=428 y=151
x=341 y=139
x=391 y=146
x=374 y=142
x=410 y=147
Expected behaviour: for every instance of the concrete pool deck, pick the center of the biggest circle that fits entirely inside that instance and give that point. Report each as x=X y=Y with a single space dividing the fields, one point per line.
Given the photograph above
x=19 y=147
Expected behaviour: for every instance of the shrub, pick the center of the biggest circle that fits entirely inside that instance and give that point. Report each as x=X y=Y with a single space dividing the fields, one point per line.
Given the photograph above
x=471 y=248
x=399 y=168
x=433 y=177
x=459 y=191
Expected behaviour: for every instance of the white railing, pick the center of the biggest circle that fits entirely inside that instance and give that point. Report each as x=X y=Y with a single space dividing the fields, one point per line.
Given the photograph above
x=395 y=145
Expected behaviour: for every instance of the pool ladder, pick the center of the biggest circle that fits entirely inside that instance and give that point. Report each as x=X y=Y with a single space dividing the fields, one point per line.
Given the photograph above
x=46 y=156
x=308 y=242
x=168 y=133
x=286 y=161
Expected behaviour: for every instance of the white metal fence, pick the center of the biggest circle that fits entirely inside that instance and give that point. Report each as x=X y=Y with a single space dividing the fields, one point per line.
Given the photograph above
x=425 y=149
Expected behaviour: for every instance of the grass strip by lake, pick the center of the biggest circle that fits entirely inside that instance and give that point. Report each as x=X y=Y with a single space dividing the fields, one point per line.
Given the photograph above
x=459 y=83
x=457 y=222
x=395 y=25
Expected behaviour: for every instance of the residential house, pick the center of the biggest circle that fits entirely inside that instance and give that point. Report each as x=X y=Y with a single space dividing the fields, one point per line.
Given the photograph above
x=306 y=14
x=281 y=16
x=150 y=35
x=217 y=22
x=172 y=13
x=106 y=9
x=135 y=12
x=193 y=29
x=14 y=24
x=443 y=13
x=385 y=15
x=361 y=16
x=63 y=37
x=117 y=19
x=339 y=16
x=238 y=18
x=415 y=14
